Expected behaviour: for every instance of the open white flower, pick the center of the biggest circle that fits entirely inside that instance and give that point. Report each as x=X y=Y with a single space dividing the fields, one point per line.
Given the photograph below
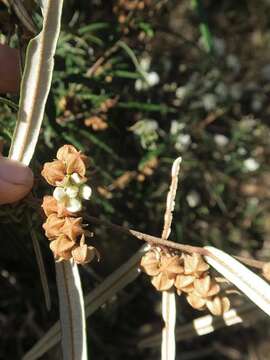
x=72 y=192
x=74 y=205
x=59 y=193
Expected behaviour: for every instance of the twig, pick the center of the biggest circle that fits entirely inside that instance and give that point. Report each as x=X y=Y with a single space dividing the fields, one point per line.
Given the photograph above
x=167 y=243
x=91 y=71
x=148 y=238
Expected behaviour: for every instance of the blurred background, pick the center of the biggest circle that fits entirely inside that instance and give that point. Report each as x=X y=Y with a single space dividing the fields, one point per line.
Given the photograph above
x=136 y=84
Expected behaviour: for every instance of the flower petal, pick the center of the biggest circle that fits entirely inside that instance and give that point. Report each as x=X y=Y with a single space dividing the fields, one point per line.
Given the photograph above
x=85 y=192
x=162 y=282
x=74 y=205
x=59 y=193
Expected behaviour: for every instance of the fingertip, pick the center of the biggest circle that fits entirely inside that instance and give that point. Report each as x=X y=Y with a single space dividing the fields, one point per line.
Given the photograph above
x=15 y=172
x=16 y=180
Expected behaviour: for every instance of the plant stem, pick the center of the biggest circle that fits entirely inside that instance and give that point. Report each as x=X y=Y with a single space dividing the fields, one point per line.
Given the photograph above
x=153 y=240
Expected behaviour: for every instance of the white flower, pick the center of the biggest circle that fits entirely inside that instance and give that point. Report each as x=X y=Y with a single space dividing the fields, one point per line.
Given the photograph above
x=209 y=101
x=193 y=199
x=182 y=142
x=181 y=92
x=59 y=194
x=145 y=63
x=242 y=151
x=251 y=164
x=85 y=192
x=176 y=127
x=221 y=140
x=76 y=179
x=74 y=205
x=72 y=191
x=152 y=78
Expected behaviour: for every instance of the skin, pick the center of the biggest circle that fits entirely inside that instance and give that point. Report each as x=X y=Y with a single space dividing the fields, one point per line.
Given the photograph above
x=16 y=179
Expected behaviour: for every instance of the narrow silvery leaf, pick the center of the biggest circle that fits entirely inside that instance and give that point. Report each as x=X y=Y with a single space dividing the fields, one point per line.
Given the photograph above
x=246 y=313
x=72 y=314
x=36 y=82
x=35 y=86
x=168 y=332
x=115 y=282
x=247 y=281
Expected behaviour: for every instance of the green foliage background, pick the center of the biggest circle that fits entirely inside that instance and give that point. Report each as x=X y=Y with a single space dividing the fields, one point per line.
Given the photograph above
x=210 y=105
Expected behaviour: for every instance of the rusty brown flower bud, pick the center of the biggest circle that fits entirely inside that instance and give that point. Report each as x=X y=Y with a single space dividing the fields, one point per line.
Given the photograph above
x=195 y=265
x=83 y=254
x=49 y=205
x=54 y=172
x=53 y=226
x=204 y=290
x=196 y=301
x=74 y=160
x=62 y=226
x=72 y=228
x=206 y=287
x=150 y=263
x=75 y=164
x=172 y=264
x=219 y=305
x=66 y=150
x=184 y=283
x=163 y=267
x=61 y=247
x=162 y=281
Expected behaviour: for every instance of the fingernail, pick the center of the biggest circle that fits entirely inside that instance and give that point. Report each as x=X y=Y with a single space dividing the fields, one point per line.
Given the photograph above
x=15 y=172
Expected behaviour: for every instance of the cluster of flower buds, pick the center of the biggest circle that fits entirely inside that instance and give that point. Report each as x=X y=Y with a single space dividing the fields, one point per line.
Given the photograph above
x=189 y=275
x=64 y=227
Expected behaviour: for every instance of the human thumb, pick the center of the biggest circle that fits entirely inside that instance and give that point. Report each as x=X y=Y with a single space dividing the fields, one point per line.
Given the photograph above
x=16 y=180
